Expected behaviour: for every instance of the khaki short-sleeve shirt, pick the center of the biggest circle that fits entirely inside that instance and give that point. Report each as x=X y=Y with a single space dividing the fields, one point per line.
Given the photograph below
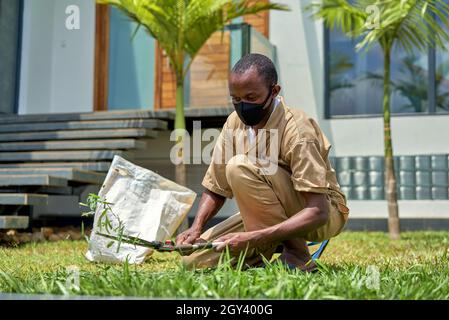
x=303 y=151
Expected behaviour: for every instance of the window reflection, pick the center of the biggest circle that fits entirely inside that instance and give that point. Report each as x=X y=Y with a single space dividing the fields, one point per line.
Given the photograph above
x=356 y=79
x=442 y=81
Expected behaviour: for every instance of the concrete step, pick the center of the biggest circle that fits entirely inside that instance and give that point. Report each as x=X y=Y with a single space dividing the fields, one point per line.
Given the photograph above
x=44 y=190
x=25 y=199
x=53 y=190
x=71 y=174
x=102 y=115
x=60 y=206
x=79 y=134
x=85 y=125
x=101 y=166
x=32 y=180
x=114 y=144
x=14 y=222
x=82 y=155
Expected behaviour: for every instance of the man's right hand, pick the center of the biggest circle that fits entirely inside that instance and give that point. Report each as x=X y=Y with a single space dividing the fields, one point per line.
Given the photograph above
x=190 y=236
x=209 y=205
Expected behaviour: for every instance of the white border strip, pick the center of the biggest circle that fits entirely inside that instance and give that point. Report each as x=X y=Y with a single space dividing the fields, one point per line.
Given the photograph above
x=412 y=209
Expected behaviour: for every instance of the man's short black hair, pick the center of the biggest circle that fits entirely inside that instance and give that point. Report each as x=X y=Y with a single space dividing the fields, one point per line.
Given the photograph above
x=264 y=66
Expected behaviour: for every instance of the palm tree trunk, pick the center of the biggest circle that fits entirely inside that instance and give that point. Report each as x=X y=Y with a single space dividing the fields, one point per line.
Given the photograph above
x=180 y=124
x=390 y=180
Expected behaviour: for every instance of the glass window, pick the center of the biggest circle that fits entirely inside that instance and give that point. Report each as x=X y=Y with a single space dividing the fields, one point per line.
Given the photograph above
x=355 y=79
x=131 y=65
x=409 y=82
x=442 y=77
x=442 y=81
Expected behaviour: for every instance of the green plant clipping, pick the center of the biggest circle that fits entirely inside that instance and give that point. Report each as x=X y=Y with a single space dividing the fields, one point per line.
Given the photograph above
x=94 y=202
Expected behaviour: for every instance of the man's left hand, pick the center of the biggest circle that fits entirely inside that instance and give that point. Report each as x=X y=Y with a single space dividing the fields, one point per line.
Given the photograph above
x=238 y=241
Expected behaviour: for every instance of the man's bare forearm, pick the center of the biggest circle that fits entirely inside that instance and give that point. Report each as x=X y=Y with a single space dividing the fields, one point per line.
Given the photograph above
x=313 y=216
x=297 y=226
x=210 y=204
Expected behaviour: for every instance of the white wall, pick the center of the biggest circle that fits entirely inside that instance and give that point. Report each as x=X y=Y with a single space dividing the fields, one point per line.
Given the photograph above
x=57 y=73
x=35 y=77
x=301 y=63
x=411 y=135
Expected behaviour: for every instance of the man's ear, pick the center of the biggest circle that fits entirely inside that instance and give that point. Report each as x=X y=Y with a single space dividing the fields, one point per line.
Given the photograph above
x=276 y=89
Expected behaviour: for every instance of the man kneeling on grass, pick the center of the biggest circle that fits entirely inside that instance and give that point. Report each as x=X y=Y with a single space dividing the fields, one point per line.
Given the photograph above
x=300 y=200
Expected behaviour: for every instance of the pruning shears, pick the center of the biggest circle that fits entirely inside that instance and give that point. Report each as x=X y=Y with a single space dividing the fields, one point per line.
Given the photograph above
x=162 y=246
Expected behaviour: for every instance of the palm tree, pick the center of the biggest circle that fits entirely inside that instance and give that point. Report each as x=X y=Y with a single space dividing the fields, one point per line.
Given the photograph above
x=408 y=24
x=181 y=28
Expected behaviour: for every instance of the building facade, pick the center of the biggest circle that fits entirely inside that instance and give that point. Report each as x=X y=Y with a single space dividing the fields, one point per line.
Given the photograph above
x=50 y=64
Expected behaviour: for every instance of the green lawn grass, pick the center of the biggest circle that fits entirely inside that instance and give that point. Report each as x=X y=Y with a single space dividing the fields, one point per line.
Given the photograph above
x=415 y=267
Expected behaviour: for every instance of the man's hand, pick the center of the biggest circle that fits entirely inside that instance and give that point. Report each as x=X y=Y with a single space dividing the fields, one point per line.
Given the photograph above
x=209 y=205
x=190 y=236
x=238 y=241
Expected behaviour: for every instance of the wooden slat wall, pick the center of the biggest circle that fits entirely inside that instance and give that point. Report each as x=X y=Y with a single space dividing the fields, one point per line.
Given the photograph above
x=101 y=57
x=259 y=21
x=208 y=73
x=165 y=85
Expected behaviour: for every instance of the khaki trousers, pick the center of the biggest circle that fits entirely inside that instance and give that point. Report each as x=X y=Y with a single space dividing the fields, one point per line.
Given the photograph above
x=264 y=201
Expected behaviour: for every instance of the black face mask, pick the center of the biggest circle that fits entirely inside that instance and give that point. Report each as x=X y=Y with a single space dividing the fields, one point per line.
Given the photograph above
x=252 y=113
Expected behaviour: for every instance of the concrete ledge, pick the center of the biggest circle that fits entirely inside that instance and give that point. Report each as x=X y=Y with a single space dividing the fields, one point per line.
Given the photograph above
x=71 y=174
x=101 y=115
x=90 y=166
x=24 y=199
x=79 y=134
x=32 y=180
x=74 y=155
x=85 y=125
x=405 y=224
x=14 y=222
x=410 y=209
x=208 y=112
x=205 y=113
x=115 y=144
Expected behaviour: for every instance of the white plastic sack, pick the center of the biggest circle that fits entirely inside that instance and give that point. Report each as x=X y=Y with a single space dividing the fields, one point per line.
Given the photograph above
x=150 y=207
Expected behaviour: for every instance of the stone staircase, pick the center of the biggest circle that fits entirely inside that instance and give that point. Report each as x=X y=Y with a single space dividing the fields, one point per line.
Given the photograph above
x=50 y=162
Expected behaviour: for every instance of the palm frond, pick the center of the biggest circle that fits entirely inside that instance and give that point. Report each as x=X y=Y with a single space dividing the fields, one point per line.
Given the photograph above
x=183 y=26
x=240 y=8
x=390 y=14
x=204 y=17
x=421 y=26
x=410 y=24
x=340 y=14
